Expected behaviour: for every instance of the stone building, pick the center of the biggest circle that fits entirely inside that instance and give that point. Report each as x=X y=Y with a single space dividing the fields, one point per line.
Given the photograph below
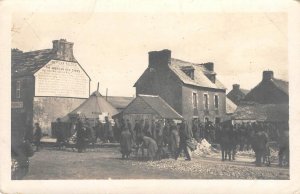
x=193 y=90
x=269 y=91
x=266 y=102
x=237 y=94
x=46 y=84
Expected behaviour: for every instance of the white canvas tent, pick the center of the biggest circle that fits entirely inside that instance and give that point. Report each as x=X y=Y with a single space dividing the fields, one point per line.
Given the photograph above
x=94 y=106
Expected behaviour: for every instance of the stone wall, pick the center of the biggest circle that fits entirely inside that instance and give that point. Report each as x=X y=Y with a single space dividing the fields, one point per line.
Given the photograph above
x=48 y=109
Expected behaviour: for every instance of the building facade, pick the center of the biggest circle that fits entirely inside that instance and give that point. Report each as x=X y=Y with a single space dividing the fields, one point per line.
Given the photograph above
x=47 y=84
x=191 y=89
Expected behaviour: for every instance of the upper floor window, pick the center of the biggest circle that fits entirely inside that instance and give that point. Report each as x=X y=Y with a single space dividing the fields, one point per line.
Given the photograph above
x=216 y=102
x=205 y=101
x=189 y=71
x=18 y=89
x=194 y=100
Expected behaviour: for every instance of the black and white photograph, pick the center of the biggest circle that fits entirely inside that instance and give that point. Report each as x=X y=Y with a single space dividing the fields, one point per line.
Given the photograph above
x=149 y=95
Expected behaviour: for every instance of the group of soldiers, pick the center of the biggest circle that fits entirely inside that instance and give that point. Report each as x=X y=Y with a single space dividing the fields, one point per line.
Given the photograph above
x=165 y=138
x=255 y=136
x=161 y=139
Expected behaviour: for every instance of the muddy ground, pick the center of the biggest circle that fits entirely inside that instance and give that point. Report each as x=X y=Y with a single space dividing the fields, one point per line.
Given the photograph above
x=105 y=163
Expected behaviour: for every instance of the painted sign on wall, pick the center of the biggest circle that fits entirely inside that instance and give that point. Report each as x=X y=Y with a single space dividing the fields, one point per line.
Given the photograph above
x=62 y=79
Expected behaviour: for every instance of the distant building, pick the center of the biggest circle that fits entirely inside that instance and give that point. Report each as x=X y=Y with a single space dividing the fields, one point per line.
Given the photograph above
x=47 y=84
x=269 y=91
x=267 y=102
x=119 y=102
x=193 y=90
x=237 y=94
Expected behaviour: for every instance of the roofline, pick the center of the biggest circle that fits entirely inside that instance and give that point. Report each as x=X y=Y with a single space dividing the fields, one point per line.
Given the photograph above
x=224 y=90
x=170 y=107
x=161 y=100
x=60 y=60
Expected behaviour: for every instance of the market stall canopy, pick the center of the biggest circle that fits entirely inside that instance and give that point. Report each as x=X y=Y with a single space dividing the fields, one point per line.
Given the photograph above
x=94 y=106
x=151 y=104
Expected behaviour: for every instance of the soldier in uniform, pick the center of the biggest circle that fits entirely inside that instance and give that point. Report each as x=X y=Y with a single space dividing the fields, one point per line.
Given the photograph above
x=174 y=139
x=108 y=130
x=37 y=136
x=150 y=145
x=260 y=142
x=147 y=128
x=185 y=134
x=81 y=136
x=126 y=139
x=283 y=146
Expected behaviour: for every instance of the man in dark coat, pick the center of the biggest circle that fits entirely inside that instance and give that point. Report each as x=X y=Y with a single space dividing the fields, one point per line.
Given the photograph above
x=60 y=139
x=126 y=142
x=37 y=136
x=98 y=130
x=185 y=135
x=147 y=129
x=284 y=149
x=108 y=130
x=174 y=139
x=81 y=136
x=225 y=142
x=138 y=130
x=261 y=140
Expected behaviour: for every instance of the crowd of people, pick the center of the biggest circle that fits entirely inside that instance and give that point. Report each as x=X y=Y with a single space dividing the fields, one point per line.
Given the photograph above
x=165 y=138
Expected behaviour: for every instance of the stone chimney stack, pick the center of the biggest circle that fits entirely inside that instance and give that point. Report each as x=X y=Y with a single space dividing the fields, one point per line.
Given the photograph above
x=63 y=49
x=235 y=86
x=268 y=75
x=159 y=59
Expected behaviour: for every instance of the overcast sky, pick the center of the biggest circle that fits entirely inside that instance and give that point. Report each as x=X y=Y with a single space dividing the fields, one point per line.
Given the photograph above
x=113 y=47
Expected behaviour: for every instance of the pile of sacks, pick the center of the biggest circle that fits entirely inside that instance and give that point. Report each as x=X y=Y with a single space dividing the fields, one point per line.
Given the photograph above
x=204 y=148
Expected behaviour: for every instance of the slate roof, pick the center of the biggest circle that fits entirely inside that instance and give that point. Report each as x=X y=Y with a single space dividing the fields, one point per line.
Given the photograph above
x=230 y=106
x=262 y=112
x=281 y=84
x=27 y=63
x=200 y=78
x=119 y=102
x=160 y=106
x=155 y=103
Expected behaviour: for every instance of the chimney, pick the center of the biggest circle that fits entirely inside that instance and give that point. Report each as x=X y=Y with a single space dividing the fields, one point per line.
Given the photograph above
x=209 y=66
x=235 y=86
x=63 y=49
x=268 y=75
x=159 y=59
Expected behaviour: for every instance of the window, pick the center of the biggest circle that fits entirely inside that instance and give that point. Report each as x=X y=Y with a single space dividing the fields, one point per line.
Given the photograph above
x=194 y=100
x=189 y=71
x=205 y=101
x=18 y=89
x=216 y=102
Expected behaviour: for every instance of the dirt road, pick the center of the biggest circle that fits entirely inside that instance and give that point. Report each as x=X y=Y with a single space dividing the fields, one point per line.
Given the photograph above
x=105 y=163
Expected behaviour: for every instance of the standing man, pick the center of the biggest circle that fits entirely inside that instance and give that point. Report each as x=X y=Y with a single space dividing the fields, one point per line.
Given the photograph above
x=80 y=136
x=59 y=133
x=108 y=130
x=184 y=135
x=261 y=143
x=37 y=136
x=174 y=139
x=125 y=142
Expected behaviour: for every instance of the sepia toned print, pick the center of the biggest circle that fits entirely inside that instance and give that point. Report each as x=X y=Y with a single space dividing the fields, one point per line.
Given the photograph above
x=93 y=97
